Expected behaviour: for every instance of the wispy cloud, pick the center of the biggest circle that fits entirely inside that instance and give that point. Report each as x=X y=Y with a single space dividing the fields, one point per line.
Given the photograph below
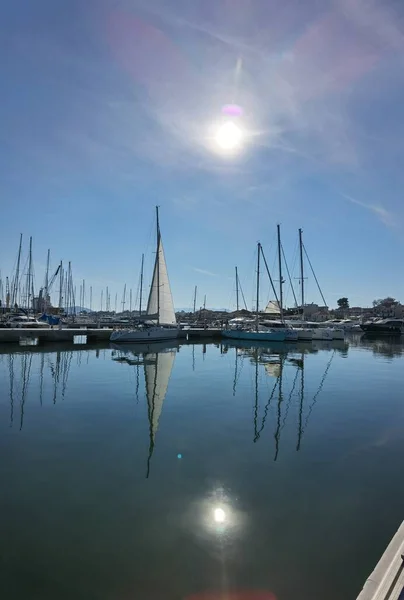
x=384 y=215
x=204 y=272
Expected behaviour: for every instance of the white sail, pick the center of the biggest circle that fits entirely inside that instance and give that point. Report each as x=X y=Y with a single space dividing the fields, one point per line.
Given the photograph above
x=272 y=308
x=160 y=297
x=158 y=369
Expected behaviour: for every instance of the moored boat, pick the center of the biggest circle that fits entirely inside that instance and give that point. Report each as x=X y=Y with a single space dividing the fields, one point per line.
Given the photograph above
x=159 y=322
x=384 y=327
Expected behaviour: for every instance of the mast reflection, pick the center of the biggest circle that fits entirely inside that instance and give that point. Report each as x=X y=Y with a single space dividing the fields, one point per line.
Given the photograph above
x=276 y=361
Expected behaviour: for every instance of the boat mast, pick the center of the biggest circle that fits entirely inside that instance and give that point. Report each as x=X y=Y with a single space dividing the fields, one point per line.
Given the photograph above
x=130 y=300
x=158 y=265
x=30 y=278
x=258 y=285
x=141 y=287
x=196 y=289
x=61 y=287
x=45 y=300
x=91 y=298
x=237 y=303
x=281 y=281
x=301 y=270
x=14 y=295
x=124 y=298
x=102 y=298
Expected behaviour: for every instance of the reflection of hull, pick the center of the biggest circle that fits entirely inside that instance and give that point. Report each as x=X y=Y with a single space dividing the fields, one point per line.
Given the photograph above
x=149 y=334
x=278 y=348
x=329 y=345
x=254 y=336
x=143 y=348
x=374 y=329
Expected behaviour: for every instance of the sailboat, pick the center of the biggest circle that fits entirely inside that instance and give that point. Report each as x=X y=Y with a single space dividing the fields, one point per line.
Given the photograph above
x=259 y=333
x=159 y=322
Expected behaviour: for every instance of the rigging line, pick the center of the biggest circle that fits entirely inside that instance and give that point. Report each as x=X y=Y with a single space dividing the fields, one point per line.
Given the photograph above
x=242 y=294
x=314 y=275
x=289 y=277
x=264 y=418
x=320 y=387
x=269 y=275
x=290 y=399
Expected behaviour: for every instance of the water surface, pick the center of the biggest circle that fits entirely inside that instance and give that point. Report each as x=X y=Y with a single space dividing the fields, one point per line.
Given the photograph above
x=163 y=472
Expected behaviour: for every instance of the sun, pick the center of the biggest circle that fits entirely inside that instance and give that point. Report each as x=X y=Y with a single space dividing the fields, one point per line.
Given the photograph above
x=229 y=136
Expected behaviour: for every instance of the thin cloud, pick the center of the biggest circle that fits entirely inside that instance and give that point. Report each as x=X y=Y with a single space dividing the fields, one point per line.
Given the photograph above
x=204 y=272
x=385 y=216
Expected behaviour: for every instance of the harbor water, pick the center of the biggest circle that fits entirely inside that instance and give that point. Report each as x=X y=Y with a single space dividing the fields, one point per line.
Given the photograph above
x=195 y=471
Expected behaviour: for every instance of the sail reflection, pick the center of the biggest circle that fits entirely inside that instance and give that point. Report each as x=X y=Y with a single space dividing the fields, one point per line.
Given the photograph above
x=158 y=361
x=275 y=363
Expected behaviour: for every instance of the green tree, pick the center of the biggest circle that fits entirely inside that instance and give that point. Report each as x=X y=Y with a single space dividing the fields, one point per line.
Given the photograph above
x=388 y=302
x=343 y=303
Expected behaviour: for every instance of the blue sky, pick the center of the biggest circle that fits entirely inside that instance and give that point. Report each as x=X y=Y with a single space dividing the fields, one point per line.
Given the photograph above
x=108 y=109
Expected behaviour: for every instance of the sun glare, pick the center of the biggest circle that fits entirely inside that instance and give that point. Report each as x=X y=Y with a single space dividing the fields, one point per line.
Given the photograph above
x=219 y=515
x=229 y=136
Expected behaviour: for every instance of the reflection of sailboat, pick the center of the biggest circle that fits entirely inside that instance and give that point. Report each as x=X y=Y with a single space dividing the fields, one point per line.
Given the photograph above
x=157 y=369
x=157 y=360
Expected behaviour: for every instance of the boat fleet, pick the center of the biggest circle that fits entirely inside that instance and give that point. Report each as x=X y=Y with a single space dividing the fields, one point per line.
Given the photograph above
x=158 y=323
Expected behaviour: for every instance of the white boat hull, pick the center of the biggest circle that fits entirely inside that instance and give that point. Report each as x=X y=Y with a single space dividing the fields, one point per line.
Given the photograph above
x=255 y=336
x=304 y=334
x=149 y=334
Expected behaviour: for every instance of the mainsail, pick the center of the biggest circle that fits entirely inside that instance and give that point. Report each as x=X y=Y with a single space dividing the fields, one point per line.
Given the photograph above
x=158 y=369
x=160 y=301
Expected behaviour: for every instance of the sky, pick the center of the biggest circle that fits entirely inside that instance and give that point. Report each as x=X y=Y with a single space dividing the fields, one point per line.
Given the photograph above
x=110 y=107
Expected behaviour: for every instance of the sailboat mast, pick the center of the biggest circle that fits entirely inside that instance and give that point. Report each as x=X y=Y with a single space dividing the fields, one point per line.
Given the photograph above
x=124 y=298
x=14 y=296
x=30 y=283
x=45 y=299
x=280 y=272
x=301 y=269
x=102 y=298
x=196 y=289
x=130 y=300
x=91 y=298
x=61 y=286
x=237 y=303
x=158 y=265
x=141 y=287
x=258 y=286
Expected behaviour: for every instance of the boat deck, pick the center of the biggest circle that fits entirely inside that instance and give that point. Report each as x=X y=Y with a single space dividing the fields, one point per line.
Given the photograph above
x=387 y=580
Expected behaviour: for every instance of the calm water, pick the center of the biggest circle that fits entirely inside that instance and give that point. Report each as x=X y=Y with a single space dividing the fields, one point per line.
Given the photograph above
x=165 y=475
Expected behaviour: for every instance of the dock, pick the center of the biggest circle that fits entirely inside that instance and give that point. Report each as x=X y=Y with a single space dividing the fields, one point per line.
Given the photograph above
x=70 y=334
x=387 y=580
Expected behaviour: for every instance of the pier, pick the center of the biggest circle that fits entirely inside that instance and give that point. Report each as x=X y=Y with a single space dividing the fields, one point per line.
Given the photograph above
x=70 y=334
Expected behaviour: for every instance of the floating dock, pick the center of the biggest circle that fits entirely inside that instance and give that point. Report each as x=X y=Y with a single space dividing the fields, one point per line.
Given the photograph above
x=69 y=334
x=387 y=580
